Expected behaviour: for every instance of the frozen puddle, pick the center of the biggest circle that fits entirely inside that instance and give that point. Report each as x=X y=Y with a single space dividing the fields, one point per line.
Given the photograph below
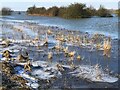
x=32 y=81
x=93 y=73
x=14 y=48
x=43 y=70
x=40 y=70
x=47 y=74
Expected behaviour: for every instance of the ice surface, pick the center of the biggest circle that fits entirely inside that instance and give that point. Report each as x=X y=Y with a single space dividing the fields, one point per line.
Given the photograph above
x=93 y=74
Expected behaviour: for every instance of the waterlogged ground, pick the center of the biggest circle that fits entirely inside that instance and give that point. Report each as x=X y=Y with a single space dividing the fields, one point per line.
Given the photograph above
x=59 y=71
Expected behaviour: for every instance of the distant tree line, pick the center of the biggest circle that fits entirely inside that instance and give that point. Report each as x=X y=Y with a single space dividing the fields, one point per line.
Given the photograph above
x=103 y=12
x=5 y=11
x=118 y=12
x=76 y=10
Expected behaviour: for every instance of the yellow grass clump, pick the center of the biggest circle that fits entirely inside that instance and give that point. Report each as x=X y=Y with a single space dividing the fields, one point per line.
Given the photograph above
x=65 y=50
x=78 y=57
x=6 y=54
x=71 y=54
x=50 y=55
x=27 y=66
x=49 y=32
x=107 y=48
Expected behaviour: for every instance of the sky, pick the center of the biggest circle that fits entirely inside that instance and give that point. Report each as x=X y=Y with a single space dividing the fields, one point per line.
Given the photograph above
x=22 y=5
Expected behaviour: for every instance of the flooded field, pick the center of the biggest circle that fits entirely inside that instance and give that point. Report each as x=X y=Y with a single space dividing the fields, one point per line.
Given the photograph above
x=35 y=56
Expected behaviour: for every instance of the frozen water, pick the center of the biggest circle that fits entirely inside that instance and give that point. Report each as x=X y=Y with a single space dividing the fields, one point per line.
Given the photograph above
x=93 y=74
